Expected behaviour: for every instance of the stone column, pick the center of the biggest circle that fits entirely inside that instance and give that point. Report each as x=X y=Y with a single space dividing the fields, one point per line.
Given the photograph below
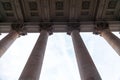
x=6 y=42
x=86 y=65
x=33 y=66
x=104 y=31
x=113 y=40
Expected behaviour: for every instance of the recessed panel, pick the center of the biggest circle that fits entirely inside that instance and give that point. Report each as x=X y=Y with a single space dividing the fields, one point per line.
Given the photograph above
x=34 y=14
x=109 y=12
x=10 y=14
x=85 y=4
x=33 y=5
x=84 y=13
x=7 y=5
x=112 y=4
x=59 y=14
x=59 y=5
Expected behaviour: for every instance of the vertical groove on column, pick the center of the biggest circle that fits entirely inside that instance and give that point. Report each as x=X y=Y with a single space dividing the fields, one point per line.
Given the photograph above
x=33 y=66
x=6 y=42
x=86 y=66
x=113 y=40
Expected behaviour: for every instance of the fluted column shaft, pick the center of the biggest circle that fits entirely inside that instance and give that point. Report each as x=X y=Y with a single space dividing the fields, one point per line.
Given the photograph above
x=113 y=40
x=6 y=42
x=86 y=66
x=33 y=66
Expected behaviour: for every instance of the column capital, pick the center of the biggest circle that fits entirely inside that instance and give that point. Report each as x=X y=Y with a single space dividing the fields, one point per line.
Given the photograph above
x=19 y=27
x=100 y=26
x=47 y=26
x=72 y=26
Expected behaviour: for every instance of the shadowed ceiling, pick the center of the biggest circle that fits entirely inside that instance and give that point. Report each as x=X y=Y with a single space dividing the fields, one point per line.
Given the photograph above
x=59 y=10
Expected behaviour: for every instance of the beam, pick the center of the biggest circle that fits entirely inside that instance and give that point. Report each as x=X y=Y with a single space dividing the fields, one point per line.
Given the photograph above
x=33 y=27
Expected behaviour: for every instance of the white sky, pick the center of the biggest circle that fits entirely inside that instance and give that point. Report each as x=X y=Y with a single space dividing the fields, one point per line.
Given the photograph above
x=59 y=61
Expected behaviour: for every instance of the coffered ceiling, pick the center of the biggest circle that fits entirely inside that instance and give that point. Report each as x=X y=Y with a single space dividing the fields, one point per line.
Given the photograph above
x=59 y=10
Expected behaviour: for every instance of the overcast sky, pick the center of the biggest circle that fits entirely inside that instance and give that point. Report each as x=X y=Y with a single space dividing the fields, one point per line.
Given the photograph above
x=59 y=61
